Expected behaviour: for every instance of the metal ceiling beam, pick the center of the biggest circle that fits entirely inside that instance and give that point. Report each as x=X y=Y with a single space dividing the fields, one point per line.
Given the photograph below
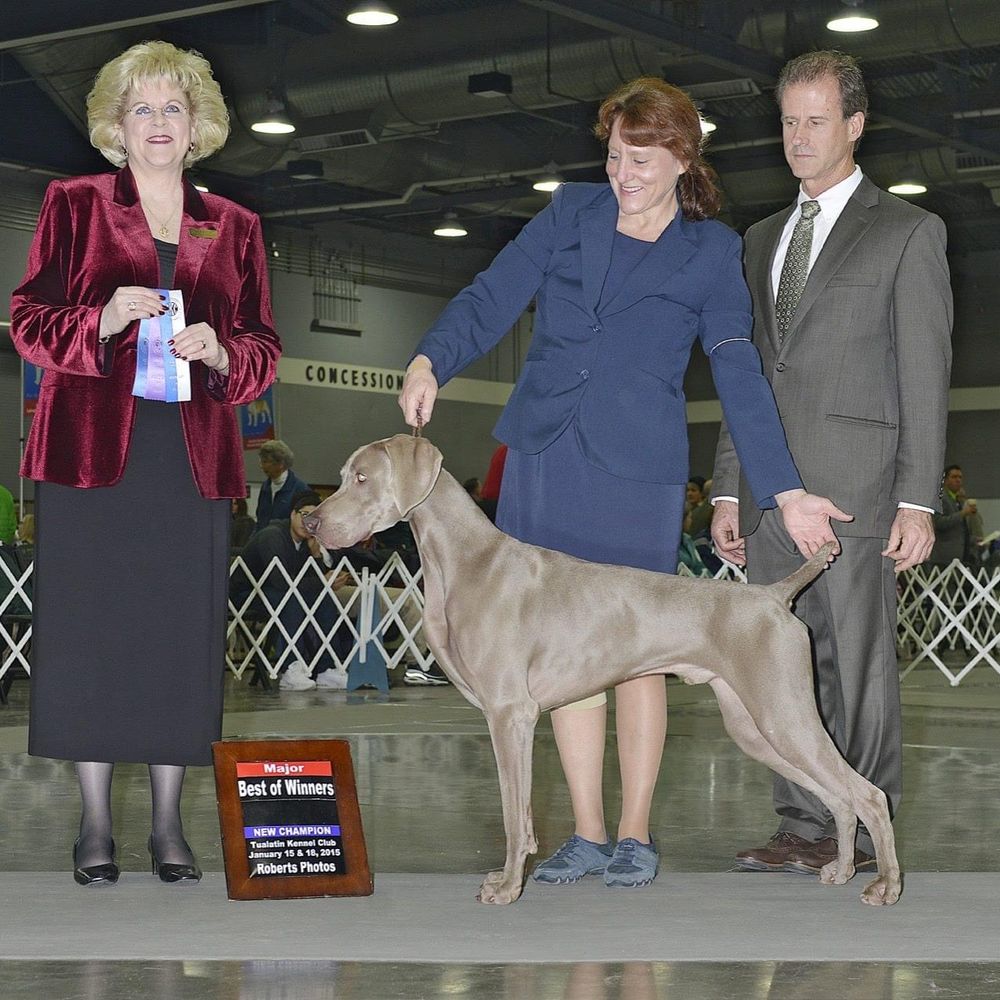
x=36 y=22
x=939 y=128
x=618 y=19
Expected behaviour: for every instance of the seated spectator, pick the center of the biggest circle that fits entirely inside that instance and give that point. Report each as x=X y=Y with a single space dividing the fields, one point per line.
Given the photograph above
x=698 y=522
x=698 y=515
x=294 y=547
x=399 y=538
x=368 y=555
x=26 y=531
x=275 y=498
x=475 y=490
x=242 y=525
x=689 y=556
x=8 y=519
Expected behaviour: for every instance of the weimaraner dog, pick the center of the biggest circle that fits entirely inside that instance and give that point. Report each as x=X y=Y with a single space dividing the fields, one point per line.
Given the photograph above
x=506 y=620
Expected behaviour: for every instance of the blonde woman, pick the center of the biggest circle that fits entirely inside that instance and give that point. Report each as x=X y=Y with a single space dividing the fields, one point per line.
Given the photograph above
x=133 y=488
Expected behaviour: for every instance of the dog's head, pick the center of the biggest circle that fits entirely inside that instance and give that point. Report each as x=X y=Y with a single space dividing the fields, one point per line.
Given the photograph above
x=379 y=485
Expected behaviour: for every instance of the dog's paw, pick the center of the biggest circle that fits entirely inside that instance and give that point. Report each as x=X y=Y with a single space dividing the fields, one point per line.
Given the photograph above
x=497 y=890
x=883 y=891
x=831 y=874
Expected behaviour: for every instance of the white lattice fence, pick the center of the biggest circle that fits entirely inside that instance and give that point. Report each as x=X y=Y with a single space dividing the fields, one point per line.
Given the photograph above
x=15 y=616
x=947 y=609
x=365 y=607
x=943 y=611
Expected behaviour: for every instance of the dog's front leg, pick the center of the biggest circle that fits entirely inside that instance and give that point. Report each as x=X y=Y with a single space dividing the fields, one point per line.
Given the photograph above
x=512 y=731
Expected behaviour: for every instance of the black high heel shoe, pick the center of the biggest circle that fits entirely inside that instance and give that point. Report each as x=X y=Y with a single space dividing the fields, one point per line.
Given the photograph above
x=106 y=874
x=168 y=872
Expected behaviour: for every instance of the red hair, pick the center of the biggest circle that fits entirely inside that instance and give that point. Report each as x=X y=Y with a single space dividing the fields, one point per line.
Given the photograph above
x=650 y=112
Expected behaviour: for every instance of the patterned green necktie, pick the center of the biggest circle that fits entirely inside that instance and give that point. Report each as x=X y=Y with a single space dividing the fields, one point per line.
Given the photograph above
x=795 y=269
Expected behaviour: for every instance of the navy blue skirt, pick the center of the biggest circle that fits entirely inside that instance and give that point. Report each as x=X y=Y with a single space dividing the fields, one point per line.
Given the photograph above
x=558 y=500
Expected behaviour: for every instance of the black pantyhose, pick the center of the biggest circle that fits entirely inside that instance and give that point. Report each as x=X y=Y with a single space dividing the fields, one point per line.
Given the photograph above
x=94 y=847
x=166 y=782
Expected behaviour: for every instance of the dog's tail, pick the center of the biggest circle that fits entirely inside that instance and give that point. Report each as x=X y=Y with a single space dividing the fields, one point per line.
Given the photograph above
x=787 y=589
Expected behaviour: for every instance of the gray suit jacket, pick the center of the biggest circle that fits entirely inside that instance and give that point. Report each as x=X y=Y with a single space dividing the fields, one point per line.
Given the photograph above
x=861 y=379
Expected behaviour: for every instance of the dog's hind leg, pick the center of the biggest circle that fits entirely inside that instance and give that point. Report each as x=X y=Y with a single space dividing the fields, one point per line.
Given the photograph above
x=746 y=733
x=871 y=805
x=512 y=730
x=821 y=771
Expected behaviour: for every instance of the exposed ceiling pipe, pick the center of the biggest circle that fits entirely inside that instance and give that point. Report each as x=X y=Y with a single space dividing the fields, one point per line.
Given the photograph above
x=415 y=99
x=407 y=196
x=88 y=19
x=906 y=27
x=765 y=187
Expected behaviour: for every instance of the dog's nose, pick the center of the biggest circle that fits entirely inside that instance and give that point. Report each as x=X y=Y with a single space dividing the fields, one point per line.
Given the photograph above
x=311 y=523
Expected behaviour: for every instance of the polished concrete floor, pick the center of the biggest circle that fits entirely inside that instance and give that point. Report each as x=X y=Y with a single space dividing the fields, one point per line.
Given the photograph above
x=423 y=752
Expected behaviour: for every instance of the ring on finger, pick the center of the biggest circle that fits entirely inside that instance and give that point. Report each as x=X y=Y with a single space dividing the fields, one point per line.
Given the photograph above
x=204 y=344
x=131 y=307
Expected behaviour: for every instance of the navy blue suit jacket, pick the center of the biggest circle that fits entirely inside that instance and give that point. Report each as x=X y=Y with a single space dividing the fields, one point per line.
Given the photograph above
x=616 y=368
x=278 y=507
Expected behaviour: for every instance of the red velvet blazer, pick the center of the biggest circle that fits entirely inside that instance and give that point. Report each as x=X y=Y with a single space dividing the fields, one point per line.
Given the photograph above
x=92 y=237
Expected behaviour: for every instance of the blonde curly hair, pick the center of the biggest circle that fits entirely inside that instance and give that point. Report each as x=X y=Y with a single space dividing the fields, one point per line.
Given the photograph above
x=149 y=61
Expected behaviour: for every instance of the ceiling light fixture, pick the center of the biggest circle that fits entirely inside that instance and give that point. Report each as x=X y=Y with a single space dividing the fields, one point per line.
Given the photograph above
x=373 y=15
x=449 y=227
x=550 y=180
x=855 y=18
x=305 y=170
x=908 y=186
x=910 y=183
x=912 y=179
x=275 y=120
x=490 y=84
x=707 y=127
x=199 y=186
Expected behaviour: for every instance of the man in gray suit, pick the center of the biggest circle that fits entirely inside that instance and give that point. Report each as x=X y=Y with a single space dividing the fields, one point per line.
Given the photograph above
x=852 y=317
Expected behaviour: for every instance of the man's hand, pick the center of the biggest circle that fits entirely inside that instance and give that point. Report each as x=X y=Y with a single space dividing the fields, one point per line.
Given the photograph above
x=807 y=519
x=726 y=532
x=911 y=538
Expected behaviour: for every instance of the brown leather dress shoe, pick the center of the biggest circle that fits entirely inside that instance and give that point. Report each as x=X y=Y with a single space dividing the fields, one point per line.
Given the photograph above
x=810 y=859
x=773 y=855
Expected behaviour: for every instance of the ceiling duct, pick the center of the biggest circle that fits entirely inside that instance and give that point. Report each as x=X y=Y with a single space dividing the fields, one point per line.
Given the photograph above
x=972 y=164
x=350 y=128
x=722 y=89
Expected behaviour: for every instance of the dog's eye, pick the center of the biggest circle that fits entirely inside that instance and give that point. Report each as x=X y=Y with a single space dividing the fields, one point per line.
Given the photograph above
x=362 y=478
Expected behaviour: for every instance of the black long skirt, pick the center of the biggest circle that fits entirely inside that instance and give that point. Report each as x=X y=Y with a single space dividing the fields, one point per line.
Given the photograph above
x=129 y=609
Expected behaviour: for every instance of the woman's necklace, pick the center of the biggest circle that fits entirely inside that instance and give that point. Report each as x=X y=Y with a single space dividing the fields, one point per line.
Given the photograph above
x=164 y=227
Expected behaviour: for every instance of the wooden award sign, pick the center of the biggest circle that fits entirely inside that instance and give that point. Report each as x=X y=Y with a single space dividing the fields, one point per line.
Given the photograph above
x=290 y=822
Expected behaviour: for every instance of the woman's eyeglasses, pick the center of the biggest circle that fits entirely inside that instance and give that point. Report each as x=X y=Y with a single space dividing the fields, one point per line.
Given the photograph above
x=173 y=109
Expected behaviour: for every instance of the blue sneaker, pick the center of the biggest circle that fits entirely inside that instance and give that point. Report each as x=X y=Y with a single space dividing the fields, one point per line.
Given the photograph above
x=633 y=864
x=576 y=858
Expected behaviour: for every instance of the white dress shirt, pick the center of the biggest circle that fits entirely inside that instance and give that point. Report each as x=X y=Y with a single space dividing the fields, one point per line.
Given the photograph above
x=831 y=203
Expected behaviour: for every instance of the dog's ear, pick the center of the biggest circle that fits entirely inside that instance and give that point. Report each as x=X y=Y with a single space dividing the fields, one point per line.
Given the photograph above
x=416 y=465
